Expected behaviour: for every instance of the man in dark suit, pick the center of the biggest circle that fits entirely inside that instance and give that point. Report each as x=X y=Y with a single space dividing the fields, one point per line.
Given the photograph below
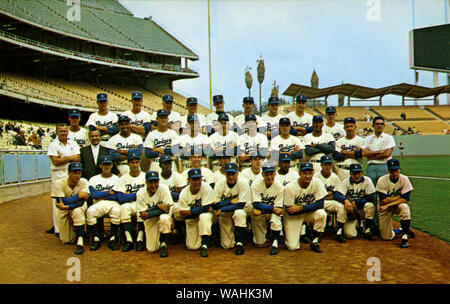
x=89 y=156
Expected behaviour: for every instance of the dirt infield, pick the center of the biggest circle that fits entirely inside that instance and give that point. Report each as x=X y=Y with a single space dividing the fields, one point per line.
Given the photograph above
x=29 y=255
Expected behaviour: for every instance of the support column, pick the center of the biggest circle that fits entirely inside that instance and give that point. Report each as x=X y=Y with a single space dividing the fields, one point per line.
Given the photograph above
x=436 y=84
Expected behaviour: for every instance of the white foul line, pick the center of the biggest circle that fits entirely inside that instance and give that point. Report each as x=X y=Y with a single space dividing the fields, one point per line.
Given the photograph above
x=428 y=177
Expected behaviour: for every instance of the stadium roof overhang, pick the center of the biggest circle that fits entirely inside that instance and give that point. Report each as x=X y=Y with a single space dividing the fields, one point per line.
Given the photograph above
x=361 y=92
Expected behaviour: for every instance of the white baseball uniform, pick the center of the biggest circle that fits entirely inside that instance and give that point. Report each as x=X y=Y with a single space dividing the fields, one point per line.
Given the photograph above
x=118 y=142
x=201 y=121
x=198 y=142
x=304 y=121
x=173 y=118
x=240 y=122
x=157 y=139
x=211 y=120
x=285 y=145
x=81 y=137
x=295 y=194
x=107 y=120
x=138 y=119
x=219 y=141
x=175 y=180
x=156 y=225
x=333 y=183
x=208 y=176
x=129 y=184
x=103 y=207
x=250 y=145
x=310 y=139
x=345 y=144
x=288 y=177
x=337 y=130
x=271 y=124
x=251 y=176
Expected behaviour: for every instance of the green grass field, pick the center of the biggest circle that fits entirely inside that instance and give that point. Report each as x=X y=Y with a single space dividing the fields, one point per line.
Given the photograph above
x=430 y=200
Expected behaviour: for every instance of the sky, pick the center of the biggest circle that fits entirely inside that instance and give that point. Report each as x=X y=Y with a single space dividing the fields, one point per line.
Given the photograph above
x=363 y=42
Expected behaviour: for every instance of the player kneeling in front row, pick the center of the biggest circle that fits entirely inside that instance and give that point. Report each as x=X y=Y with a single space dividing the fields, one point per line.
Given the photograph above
x=70 y=196
x=194 y=207
x=105 y=204
x=267 y=197
x=394 y=190
x=303 y=201
x=154 y=206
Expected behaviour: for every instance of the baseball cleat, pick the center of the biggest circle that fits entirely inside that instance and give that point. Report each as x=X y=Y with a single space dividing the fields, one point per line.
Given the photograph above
x=140 y=246
x=368 y=236
x=315 y=247
x=204 y=252
x=164 y=253
x=239 y=250
x=113 y=245
x=51 y=230
x=95 y=245
x=305 y=239
x=404 y=243
x=128 y=246
x=273 y=250
x=79 y=249
x=340 y=238
x=57 y=235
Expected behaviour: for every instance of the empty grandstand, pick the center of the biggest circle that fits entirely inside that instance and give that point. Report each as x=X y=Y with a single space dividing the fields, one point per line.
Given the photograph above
x=53 y=62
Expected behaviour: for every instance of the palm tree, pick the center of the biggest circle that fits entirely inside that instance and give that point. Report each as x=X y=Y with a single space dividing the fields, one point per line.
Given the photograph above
x=248 y=79
x=261 y=71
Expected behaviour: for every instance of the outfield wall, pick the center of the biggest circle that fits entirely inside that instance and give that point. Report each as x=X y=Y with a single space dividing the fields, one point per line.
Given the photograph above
x=423 y=145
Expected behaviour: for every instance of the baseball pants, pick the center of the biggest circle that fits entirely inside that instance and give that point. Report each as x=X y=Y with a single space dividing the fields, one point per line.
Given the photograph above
x=127 y=210
x=67 y=219
x=385 y=219
x=336 y=207
x=153 y=227
x=367 y=212
x=196 y=228
x=103 y=208
x=293 y=225
x=259 y=226
x=226 y=221
x=55 y=175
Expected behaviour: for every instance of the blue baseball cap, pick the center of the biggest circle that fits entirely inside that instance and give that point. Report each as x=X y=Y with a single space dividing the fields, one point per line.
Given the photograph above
x=223 y=116
x=75 y=166
x=167 y=98
x=300 y=98
x=162 y=112
x=355 y=167
x=124 y=118
x=250 y=117
x=165 y=158
x=151 y=175
x=274 y=100
x=284 y=121
x=231 y=167
x=136 y=95
x=330 y=110
x=326 y=159
x=268 y=167
x=248 y=99
x=317 y=118
x=306 y=166
x=284 y=157
x=194 y=173
x=133 y=154
x=102 y=97
x=105 y=159
x=217 y=98
x=393 y=164
x=74 y=112
x=191 y=100
x=349 y=120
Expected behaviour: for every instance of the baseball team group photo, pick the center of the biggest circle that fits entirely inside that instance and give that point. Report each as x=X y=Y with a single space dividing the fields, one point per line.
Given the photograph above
x=110 y=174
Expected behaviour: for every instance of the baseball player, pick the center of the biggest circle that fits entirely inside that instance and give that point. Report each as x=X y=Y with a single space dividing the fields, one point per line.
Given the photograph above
x=269 y=121
x=105 y=204
x=126 y=189
x=251 y=143
x=160 y=141
x=192 y=105
x=301 y=121
x=172 y=179
x=394 y=191
x=331 y=126
x=77 y=133
x=286 y=143
x=240 y=121
x=70 y=196
x=193 y=142
x=318 y=143
x=254 y=172
x=61 y=152
x=220 y=174
x=223 y=142
x=124 y=141
x=267 y=202
x=303 y=201
x=334 y=200
x=103 y=120
x=196 y=163
x=140 y=120
x=158 y=225
x=348 y=149
x=194 y=207
x=360 y=194
x=174 y=118
x=212 y=122
x=230 y=197
x=285 y=174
